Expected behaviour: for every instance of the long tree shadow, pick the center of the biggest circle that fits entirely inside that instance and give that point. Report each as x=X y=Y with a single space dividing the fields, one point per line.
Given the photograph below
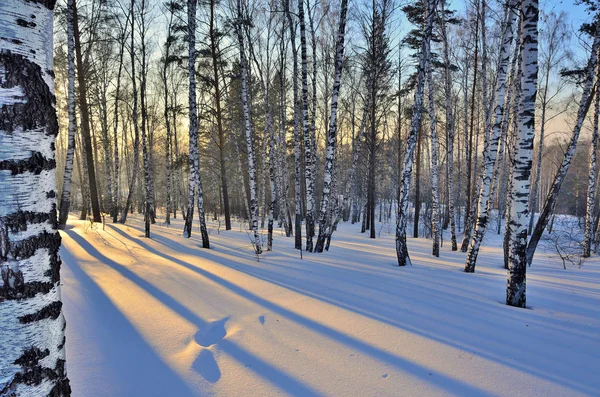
x=205 y=363
x=139 y=370
x=426 y=374
x=564 y=376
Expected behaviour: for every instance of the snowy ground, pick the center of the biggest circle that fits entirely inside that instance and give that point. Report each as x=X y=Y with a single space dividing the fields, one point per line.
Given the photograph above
x=164 y=317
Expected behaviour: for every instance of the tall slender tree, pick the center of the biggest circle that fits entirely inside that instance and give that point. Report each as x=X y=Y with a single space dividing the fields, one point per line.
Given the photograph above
x=516 y=284
x=332 y=132
x=415 y=125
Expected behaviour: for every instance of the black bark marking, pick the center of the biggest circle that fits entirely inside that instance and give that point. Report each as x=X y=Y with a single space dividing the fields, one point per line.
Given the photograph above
x=25 y=290
x=18 y=221
x=35 y=112
x=33 y=374
x=49 y=4
x=25 y=24
x=50 y=311
x=36 y=164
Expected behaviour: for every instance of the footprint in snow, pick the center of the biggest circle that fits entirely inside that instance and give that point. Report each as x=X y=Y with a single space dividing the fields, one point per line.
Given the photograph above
x=261 y=319
x=384 y=376
x=211 y=333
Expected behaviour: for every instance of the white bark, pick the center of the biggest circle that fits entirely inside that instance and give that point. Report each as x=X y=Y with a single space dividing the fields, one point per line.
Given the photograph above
x=308 y=155
x=516 y=284
x=435 y=188
x=401 y=247
x=590 y=204
x=584 y=105
x=32 y=358
x=490 y=153
x=65 y=199
x=328 y=172
x=248 y=132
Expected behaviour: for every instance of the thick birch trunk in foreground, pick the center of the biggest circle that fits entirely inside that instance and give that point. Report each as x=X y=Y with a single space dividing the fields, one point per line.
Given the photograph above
x=490 y=152
x=32 y=326
x=332 y=135
x=584 y=105
x=516 y=283
x=65 y=198
x=415 y=125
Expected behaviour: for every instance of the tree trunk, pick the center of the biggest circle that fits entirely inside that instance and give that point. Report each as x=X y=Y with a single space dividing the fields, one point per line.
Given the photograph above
x=401 y=247
x=469 y=147
x=586 y=101
x=328 y=172
x=449 y=130
x=435 y=188
x=516 y=284
x=32 y=362
x=215 y=60
x=85 y=120
x=490 y=152
x=308 y=155
x=65 y=198
x=590 y=205
x=248 y=133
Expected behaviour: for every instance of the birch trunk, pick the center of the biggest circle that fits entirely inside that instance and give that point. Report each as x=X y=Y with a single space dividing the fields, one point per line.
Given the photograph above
x=435 y=188
x=449 y=130
x=248 y=133
x=415 y=125
x=297 y=188
x=116 y=191
x=468 y=226
x=65 y=199
x=516 y=283
x=308 y=155
x=332 y=133
x=586 y=101
x=168 y=143
x=85 y=122
x=136 y=143
x=590 y=204
x=32 y=326
x=195 y=182
x=490 y=152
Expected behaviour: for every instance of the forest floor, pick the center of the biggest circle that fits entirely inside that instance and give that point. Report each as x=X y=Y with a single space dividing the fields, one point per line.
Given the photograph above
x=164 y=317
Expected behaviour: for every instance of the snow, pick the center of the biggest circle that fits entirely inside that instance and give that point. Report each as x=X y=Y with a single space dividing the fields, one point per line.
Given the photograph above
x=164 y=317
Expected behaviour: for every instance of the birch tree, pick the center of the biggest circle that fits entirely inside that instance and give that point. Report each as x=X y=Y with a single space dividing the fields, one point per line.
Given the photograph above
x=308 y=155
x=297 y=193
x=490 y=151
x=328 y=173
x=240 y=20
x=449 y=127
x=586 y=101
x=194 y=161
x=32 y=326
x=65 y=198
x=415 y=125
x=590 y=196
x=516 y=284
